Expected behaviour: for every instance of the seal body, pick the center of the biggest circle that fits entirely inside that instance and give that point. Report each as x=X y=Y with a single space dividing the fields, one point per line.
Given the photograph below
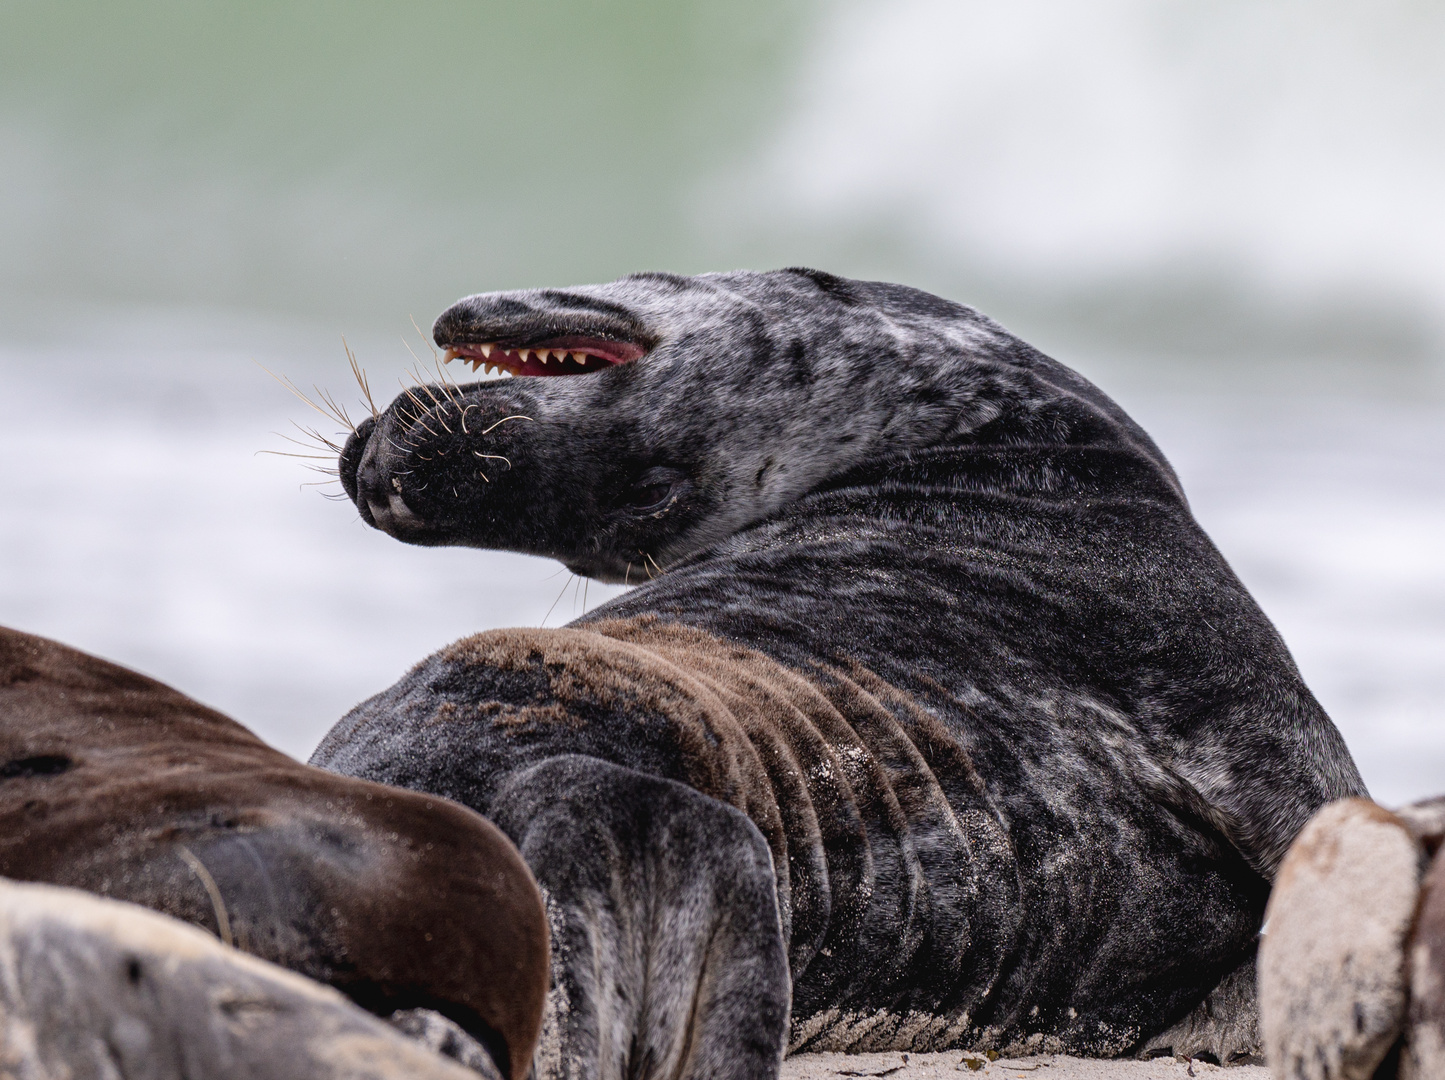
x=113 y=783
x=923 y=606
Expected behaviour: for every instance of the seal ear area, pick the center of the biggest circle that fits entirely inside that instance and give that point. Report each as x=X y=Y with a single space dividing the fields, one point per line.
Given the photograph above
x=33 y=765
x=842 y=289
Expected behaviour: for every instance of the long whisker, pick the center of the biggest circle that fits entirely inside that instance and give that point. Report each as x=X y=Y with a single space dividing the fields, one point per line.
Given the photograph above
x=218 y=902
x=333 y=413
x=312 y=437
x=415 y=373
x=418 y=403
x=360 y=373
x=558 y=600
x=434 y=399
x=337 y=409
x=452 y=388
x=447 y=385
x=429 y=344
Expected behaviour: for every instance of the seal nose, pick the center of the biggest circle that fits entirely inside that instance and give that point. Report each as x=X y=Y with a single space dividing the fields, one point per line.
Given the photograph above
x=378 y=495
x=349 y=462
x=378 y=498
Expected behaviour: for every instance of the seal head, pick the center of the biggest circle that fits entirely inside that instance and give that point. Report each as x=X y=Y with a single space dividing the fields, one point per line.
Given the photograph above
x=655 y=416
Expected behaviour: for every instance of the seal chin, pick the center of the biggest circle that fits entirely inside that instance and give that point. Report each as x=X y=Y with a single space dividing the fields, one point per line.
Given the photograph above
x=610 y=570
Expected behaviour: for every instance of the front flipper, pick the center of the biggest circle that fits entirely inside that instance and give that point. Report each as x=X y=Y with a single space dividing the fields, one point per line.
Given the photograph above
x=668 y=952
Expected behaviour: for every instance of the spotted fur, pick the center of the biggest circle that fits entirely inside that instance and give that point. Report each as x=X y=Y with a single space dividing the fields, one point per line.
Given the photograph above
x=924 y=605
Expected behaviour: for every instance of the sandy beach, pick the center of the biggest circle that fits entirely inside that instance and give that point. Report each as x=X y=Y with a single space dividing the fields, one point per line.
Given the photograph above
x=952 y=1063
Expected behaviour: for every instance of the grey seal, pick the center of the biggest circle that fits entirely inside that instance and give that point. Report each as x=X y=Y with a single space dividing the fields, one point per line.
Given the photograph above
x=934 y=720
x=94 y=989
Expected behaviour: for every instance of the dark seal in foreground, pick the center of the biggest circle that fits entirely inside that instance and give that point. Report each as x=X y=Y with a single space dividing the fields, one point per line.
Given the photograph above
x=935 y=720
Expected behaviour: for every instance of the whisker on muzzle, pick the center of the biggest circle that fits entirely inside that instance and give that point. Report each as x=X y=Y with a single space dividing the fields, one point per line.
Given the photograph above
x=359 y=373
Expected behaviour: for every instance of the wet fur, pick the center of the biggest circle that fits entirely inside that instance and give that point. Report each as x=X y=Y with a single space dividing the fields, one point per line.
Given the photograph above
x=935 y=616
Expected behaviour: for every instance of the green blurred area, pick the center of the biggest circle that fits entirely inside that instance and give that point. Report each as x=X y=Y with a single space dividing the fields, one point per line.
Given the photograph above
x=349 y=166
x=360 y=160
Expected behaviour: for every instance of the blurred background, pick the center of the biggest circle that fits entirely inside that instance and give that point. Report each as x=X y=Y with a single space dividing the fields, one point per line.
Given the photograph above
x=1229 y=214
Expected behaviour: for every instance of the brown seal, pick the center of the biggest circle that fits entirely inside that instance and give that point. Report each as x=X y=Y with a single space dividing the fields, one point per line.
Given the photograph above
x=116 y=784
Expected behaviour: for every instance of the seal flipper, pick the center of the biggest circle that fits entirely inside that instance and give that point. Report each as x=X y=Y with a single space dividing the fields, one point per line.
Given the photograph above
x=668 y=951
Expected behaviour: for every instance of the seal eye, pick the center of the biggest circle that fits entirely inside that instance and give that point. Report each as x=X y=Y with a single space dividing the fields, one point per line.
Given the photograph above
x=652 y=490
x=650 y=497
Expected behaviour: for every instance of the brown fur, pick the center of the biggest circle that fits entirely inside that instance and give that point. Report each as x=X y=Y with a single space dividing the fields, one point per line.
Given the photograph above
x=803 y=759
x=116 y=784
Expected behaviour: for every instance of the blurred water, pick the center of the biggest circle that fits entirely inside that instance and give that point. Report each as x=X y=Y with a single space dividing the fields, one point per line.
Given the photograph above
x=1299 y=143
x=1333 y=514
x=1227 y=213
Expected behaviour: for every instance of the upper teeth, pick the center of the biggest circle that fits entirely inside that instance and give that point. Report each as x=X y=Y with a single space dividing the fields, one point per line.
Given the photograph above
x=510 y=360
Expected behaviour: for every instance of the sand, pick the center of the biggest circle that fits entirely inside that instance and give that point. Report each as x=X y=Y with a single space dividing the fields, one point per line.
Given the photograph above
x=957 y=1063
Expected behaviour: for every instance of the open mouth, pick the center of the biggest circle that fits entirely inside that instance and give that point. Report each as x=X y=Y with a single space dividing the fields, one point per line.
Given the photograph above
x=558 y=356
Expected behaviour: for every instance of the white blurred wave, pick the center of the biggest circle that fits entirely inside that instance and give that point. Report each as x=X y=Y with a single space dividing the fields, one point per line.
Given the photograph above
x=1298 y=146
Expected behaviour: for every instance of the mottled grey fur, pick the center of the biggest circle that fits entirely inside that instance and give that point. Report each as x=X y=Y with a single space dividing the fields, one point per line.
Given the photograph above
x=97 y=989
x=922 y=603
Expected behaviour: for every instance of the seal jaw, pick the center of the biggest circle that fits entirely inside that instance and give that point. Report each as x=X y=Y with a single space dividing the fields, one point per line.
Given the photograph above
x=566 y=356
x=552 y=332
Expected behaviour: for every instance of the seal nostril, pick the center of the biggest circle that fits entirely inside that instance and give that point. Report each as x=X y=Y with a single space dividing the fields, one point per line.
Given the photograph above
x=349 y=464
